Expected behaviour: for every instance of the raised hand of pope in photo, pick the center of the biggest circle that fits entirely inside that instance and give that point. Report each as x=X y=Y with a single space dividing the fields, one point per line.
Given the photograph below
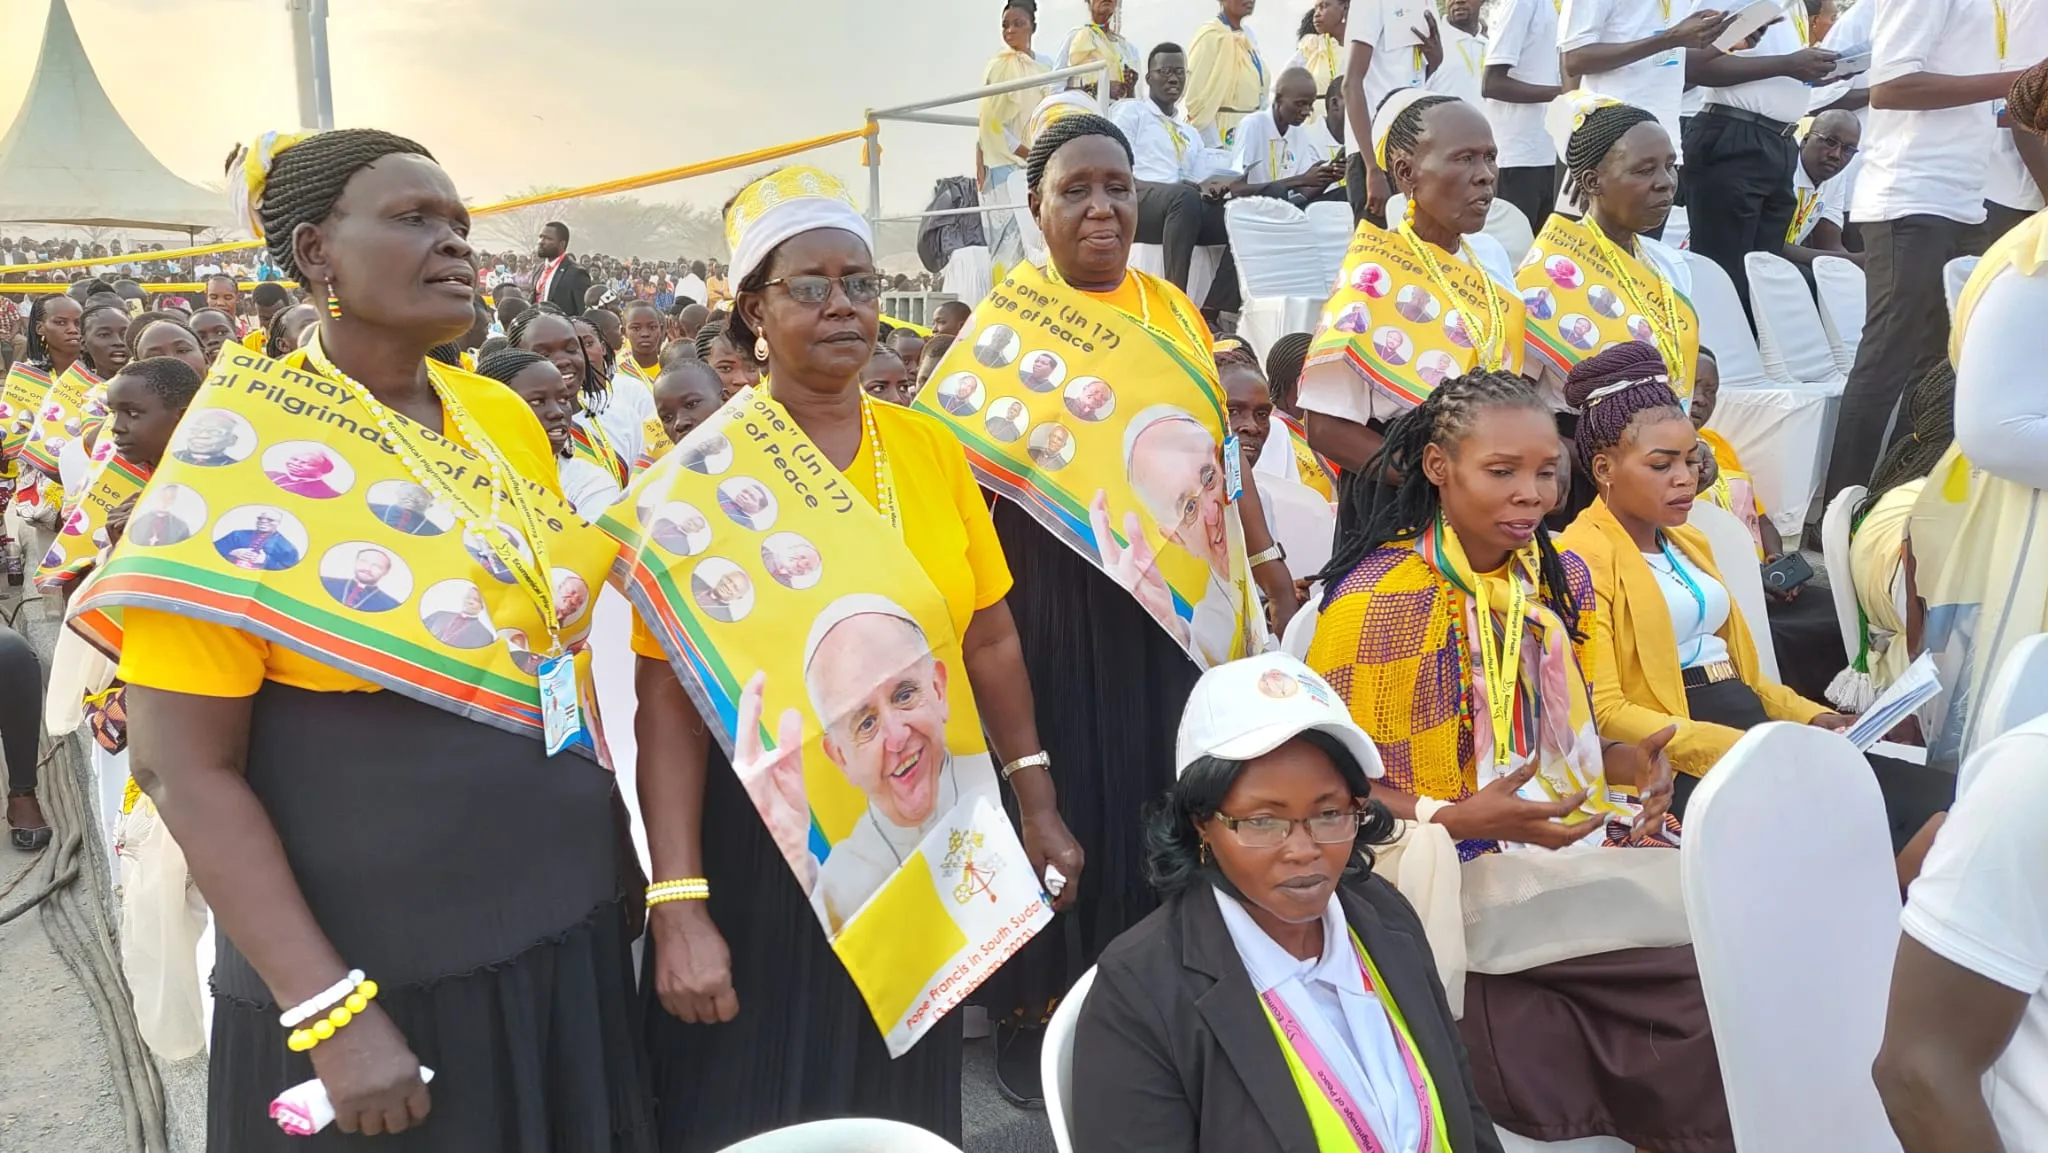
x=774 y=779
x=1135 y=567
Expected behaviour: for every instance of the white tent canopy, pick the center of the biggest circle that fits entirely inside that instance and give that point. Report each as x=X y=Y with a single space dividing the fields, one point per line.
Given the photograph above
x=71 y=159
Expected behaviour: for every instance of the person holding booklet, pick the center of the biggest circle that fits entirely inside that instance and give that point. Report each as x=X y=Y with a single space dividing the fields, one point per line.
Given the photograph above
x=401 y=875
x=756 y=1022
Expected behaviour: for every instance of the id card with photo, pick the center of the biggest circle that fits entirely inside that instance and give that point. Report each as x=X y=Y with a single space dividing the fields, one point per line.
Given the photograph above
x=561 y=713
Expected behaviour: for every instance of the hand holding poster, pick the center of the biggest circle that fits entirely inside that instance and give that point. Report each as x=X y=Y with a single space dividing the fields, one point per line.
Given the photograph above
x=1108 y=427
x=825 y=659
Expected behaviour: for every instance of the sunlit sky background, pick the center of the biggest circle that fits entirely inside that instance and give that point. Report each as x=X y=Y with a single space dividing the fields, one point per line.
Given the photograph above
x=510 y=94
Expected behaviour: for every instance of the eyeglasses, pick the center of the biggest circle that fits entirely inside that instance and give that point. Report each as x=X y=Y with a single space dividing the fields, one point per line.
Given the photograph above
x=1833 y=145
x=1334 y=827
x=861 y=287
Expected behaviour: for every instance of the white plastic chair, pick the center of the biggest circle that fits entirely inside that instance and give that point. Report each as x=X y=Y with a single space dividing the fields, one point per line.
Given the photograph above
x=1056 y=1062
x=1844 y=299
x=1795 y=936
x=1735 y=555
x=1334 y=227
x=1834 y=551
x=969 y=274
x=1954 y=275
x=1301 y=520
x=1201 y=267
x=1724 y=328
x=847 y=1135
x=1280 y=259
x=2018 y=694
x=1790 y=336
x=1301 y=630
x=1678 y=229
x=1504 y=222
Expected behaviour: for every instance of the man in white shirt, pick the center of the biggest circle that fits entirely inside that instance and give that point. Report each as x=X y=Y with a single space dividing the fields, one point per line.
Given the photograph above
x=1392 y=42
x=1274 y=151
x=2019 y=159
x=1633 y=51
x=693 y=286
x=1521 y=80
x=1964 y=1064
x=1819 y=189
x=1739 y=153
x=1464 y=53
x=1919 y=201
x=1179 y=206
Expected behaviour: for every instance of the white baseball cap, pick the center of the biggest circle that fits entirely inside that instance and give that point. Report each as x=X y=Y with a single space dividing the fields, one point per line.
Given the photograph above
x=1248 y=708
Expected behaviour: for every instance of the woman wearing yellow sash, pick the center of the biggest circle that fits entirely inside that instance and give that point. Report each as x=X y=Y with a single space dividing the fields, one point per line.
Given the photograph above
x=401 y=878
x=53 y=344
x=588 y=486
x=1226 y=76
x=1099 y=40
x=1284 y=997
x=1430 y=299
x=755 y=1022
x=76 y=400
x=1592 y=283
x=1452 y=629
x=1006 y=119
x=643 y=326
x=1320 y=48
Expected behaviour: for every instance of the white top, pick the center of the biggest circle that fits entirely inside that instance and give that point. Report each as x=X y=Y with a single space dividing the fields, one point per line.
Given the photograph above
x=2002 y=424
x=1464 y=64
x=1851 y=34
x=1694 y=625
x=625 y=415
x=1264 y=155
x=1978 y=902
x=1124 y=48
x=589 y=489
x=1347 y=1025
x=1828 y=202
x=1212 y=135
x=1321 y=144
x=1780 y=98
x=1386 y=25
x=1526 y=41
x=1656 y=83
x=693 y=286
x=2007 y=181
x=1928 y=163
x=1167 y=150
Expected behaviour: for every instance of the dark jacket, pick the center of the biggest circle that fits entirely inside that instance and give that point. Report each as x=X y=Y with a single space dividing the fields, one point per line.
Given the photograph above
x=1174 y=1053
x=566 y=290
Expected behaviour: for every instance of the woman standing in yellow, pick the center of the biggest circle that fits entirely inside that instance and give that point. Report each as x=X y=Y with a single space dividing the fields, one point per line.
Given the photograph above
x=1320 y=49
x=1099 y=40
x=1006 y=119
x=1226 y=77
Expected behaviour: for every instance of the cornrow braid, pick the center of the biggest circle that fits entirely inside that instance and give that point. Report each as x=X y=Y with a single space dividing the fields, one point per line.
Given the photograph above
x=1239 y=356
x=1063 y=132
x=1371 y=514
x=1405 y=133
x=515 y=332
x=705 y=336
x=505 y=363
x=2024 y=103
x=1931 y=410
x=1593 y=140
x=1283 y=367
x=36 y=353
x=308 y=178
x=142 y=322
x=449 y=354
x=170 y=379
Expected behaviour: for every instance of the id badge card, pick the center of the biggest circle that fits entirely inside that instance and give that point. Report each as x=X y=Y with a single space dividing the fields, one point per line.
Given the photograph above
x=561 y=712
x=1233 y=468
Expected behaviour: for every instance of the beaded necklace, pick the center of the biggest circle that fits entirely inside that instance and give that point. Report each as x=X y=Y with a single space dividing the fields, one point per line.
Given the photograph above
x=1192 y=345
x=1487 y=341
x=885 y=477
x=1664 y=318
x=486 y=524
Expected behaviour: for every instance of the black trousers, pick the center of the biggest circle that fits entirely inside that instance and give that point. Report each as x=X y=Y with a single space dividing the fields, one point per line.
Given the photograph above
x=1738 y=191
x=1177 y=217
x=1533 y=190
x=1999 y=220
x=21 y=709
x=1355 y=188
x=1912 y=793
x=1905 y=332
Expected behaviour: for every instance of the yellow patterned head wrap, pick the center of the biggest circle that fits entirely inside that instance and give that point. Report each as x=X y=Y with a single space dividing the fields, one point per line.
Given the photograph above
x=783 y=204
x=249 y=171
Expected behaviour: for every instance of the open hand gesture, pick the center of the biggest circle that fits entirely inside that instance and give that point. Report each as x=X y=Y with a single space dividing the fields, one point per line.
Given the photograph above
x=1134 y=567
x=774 y=779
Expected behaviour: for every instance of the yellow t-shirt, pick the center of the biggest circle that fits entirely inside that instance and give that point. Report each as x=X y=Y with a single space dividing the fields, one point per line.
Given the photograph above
x=162 y=650
x=1129 y=297
x=945 y=518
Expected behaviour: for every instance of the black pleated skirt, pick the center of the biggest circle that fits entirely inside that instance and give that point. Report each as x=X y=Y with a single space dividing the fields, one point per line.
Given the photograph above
x=476 y=880
x=804 y=1046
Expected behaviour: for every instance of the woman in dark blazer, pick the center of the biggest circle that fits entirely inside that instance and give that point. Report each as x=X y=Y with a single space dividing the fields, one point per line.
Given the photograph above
x=1273 y=927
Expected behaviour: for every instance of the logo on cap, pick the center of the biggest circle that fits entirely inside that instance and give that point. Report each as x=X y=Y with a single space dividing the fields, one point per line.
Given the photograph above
x=1278 y=685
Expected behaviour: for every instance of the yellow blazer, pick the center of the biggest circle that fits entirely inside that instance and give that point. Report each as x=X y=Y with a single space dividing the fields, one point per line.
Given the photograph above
x=1636 y=676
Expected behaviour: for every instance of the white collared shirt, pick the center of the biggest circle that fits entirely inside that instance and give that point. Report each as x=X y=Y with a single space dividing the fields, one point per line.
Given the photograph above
x=1655 y=83
x=1388 y=26
x=1348 y=1025
x=2007 y=181
x=1928 y=163
x=1463 y=66
x=1527 y=43
x=1165 y=149
x=1781 y=98
x=1265 y=154
x=1828 y=202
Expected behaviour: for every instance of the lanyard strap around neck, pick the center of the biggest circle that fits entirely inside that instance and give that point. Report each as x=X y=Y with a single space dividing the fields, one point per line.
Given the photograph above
x=1699 y=596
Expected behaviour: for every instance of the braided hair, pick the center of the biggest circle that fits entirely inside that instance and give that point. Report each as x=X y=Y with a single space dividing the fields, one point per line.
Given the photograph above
x=1631 y=381
x=505 y=363
x=85 y=321
x=38 y=353
x=143 y=320
x=308 y=178
x=449 y=354
x=1238 y=355
x=1371 y=515
x=1063 y=132
x=1589 y=145
x=1405 y=133
x=1931 y=411
x=2027 y=103
x=1283 y=367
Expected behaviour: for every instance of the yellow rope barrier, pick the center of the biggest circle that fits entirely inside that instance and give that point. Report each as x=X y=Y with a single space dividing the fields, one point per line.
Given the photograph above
x=606 y=188
x=152 y=289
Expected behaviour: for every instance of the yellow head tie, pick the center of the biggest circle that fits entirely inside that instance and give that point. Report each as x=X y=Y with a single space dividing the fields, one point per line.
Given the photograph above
x=249 y=171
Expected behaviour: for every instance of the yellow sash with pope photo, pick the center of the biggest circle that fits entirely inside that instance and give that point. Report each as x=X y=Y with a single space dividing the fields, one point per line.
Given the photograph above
x=283 y=510
x=84 y=534
x=74 y=398
x=1108 y=427
x=1583 y=295
x=20 y=402
x=800 y=624
x=1406 y=316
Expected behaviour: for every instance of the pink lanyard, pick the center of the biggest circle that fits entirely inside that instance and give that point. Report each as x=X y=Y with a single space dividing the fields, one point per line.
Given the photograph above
x=1333 y=1088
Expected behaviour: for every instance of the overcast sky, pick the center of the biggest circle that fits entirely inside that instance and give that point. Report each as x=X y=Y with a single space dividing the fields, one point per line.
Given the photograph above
x=515 y=93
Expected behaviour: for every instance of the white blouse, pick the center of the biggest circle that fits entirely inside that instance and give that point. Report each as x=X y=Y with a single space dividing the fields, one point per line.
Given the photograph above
x=1698 y=609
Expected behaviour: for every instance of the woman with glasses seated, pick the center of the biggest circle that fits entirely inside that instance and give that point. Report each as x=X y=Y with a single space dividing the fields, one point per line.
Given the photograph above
x=1283 y=997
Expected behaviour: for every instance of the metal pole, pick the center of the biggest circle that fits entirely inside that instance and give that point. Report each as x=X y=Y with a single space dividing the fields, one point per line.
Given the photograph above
x=873 y=148
x=323 y=77
x=309 y=58
x=944 y=118
x=1042 y=80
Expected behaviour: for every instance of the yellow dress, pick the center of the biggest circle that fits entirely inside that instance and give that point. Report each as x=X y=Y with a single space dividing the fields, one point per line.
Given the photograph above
x=1006 y=119
x=1226 y=81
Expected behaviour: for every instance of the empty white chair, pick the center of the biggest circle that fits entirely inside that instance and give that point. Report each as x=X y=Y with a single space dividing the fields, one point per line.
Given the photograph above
x=1504 y=222
x=1301 y=520
x=1334 y=226
x=1201 y=267
x=1280 y=260
x=1301 y=630
x=1834 y=551
x=1954 y=275
x=2018 y=694
x=1735 y=555
x=1678 y=229
x=1843 y=292
x=969 y=274
x=1795 y=933
x=1789 y=332
x=1056 y=1062
x=847 y=1135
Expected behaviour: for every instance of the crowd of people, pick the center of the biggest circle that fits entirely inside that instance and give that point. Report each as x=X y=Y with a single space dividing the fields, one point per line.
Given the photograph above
x=1378 y=855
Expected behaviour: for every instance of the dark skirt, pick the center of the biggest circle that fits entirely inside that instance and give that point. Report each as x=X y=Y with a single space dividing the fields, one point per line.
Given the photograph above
x=1110 y=686
x=804 y=1046
x=1808 y=641
x=1617 y=1044
x=1912 y=793
x=476 y=880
